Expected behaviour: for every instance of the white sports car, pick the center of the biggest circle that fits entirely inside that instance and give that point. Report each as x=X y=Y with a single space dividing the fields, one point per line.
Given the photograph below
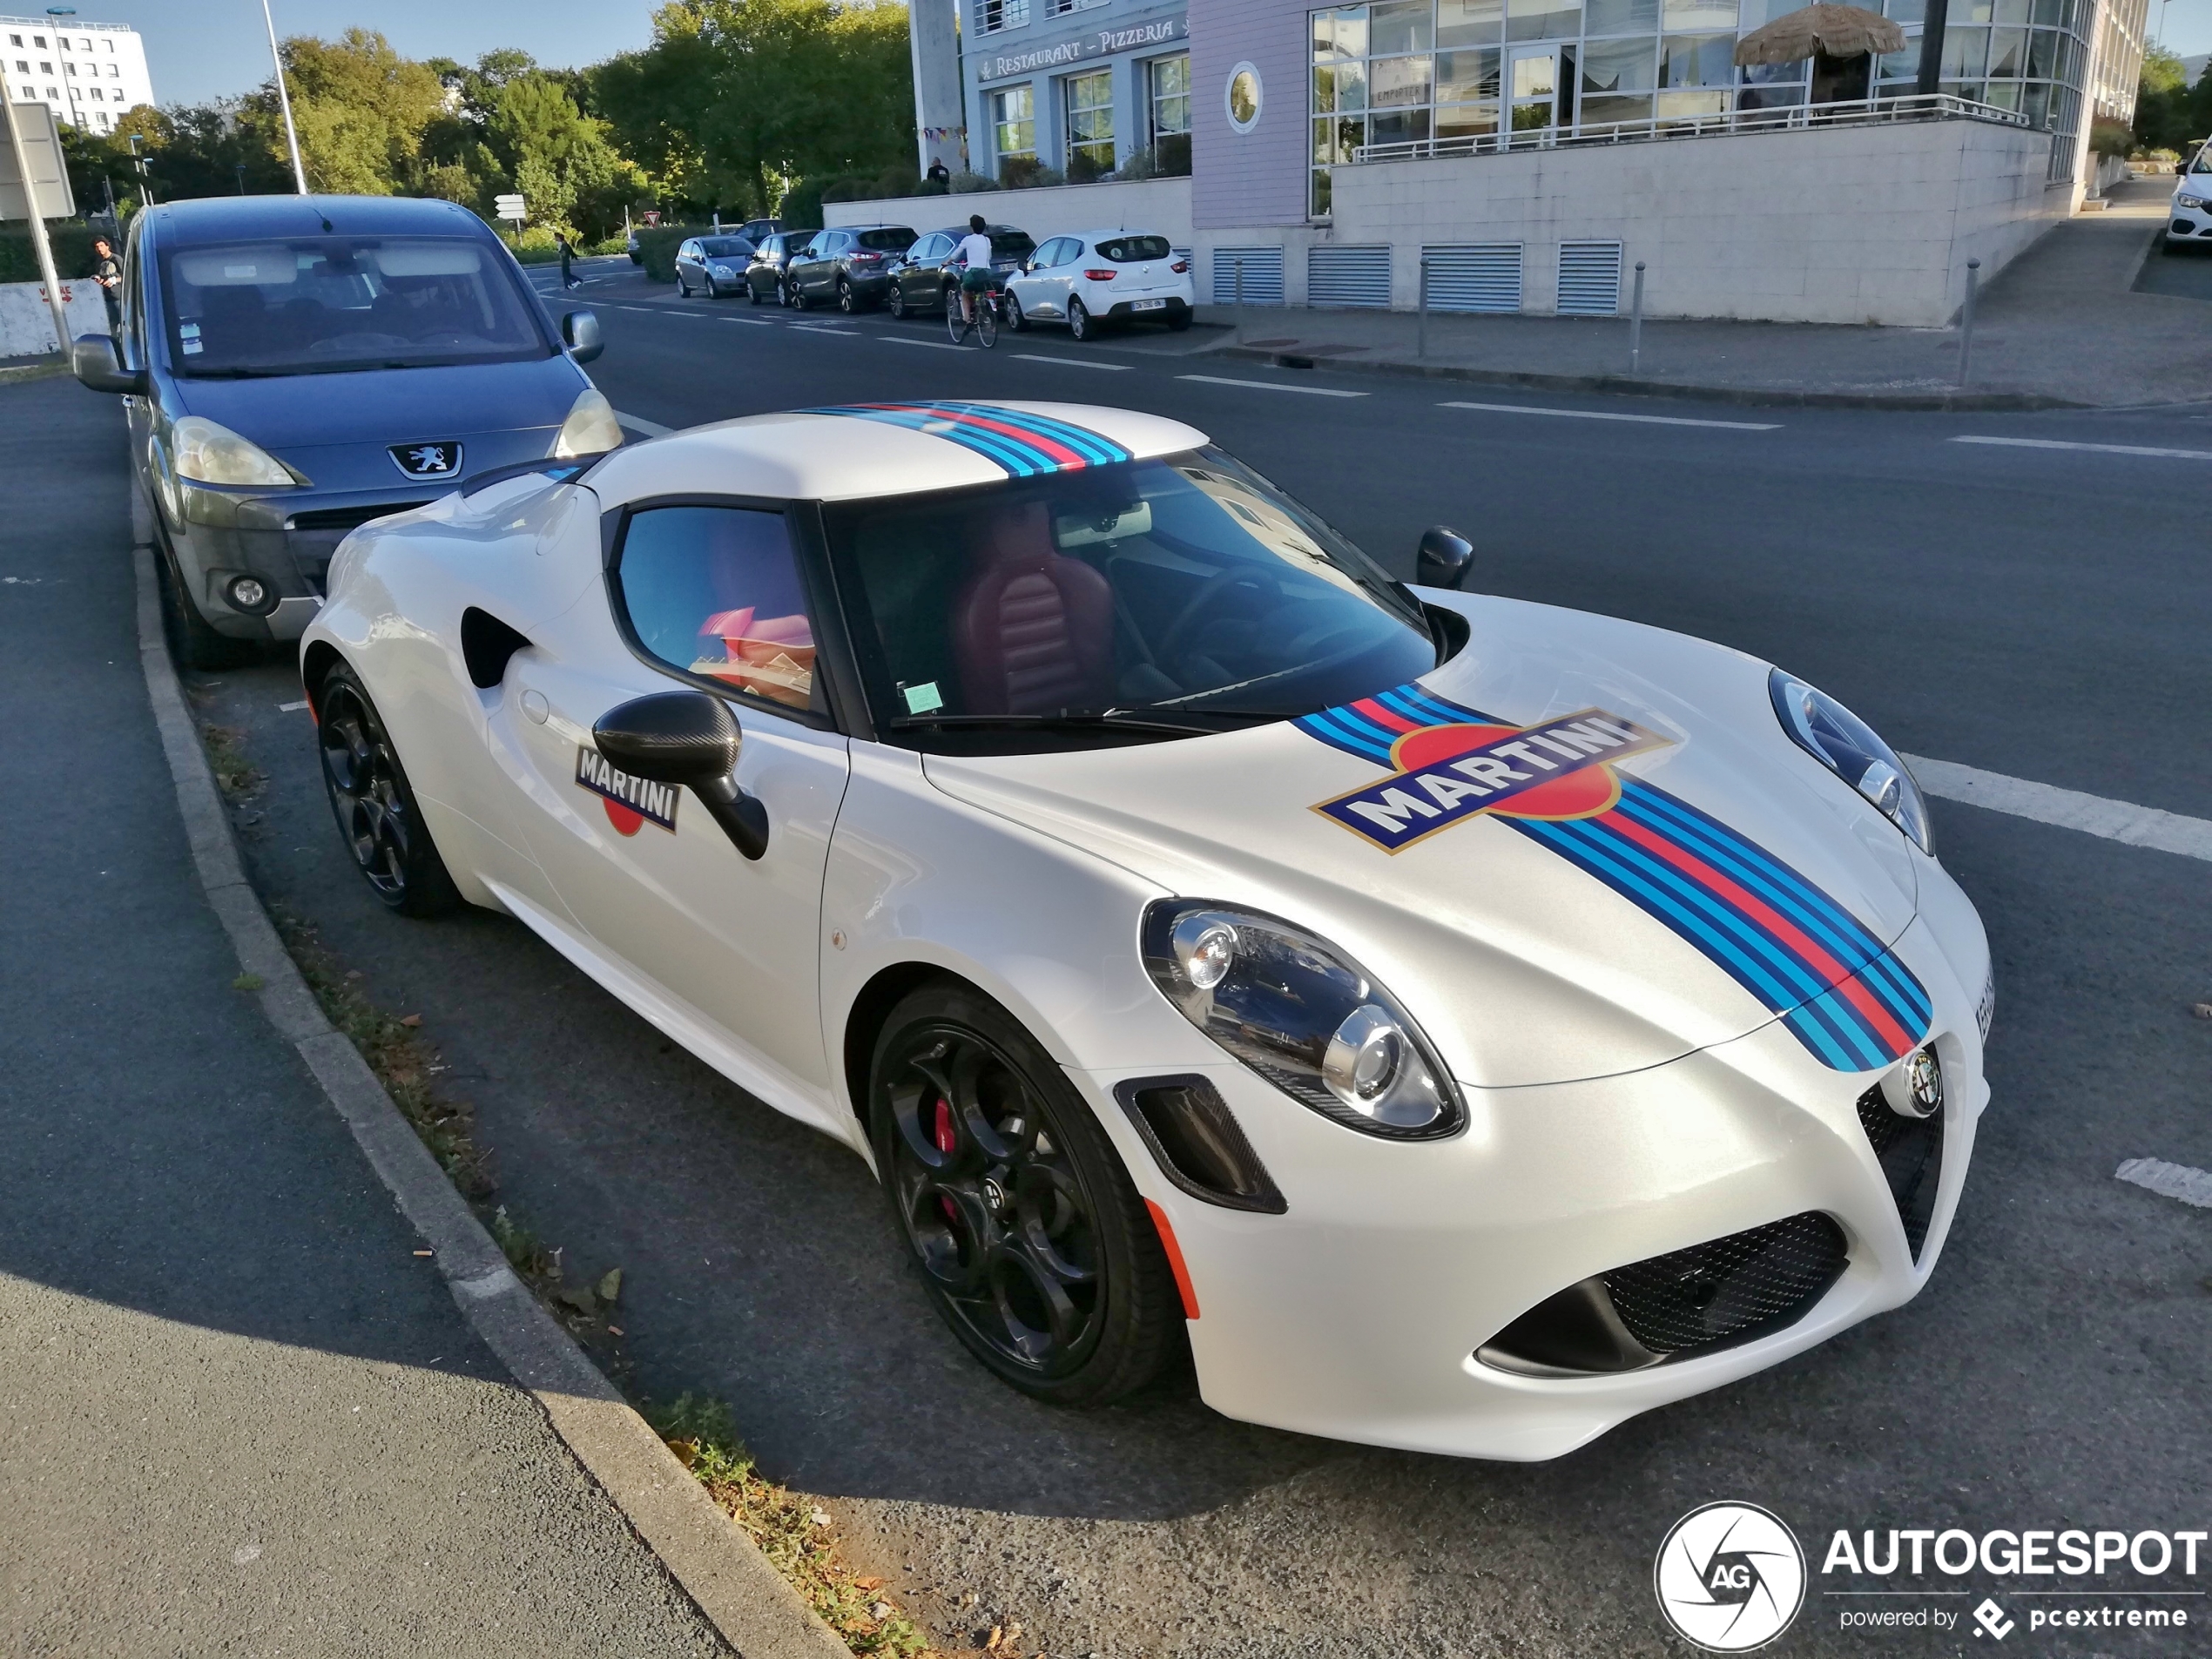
x=1465 y=1022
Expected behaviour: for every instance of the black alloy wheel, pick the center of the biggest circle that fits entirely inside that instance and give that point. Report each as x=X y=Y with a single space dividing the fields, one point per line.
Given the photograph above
x=1034 y=1246
x=1078 y=319
x=375 y=808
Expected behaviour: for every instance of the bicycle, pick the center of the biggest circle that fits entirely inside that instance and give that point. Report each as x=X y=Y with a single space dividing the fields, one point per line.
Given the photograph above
x=985 y=324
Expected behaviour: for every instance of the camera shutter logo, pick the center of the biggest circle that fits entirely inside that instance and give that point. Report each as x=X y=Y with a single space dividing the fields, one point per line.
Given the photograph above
x=1730 y=1577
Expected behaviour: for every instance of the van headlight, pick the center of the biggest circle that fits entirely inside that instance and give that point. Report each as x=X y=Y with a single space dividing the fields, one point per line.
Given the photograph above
x=1845 y=745
x=208 y=454
x=1303 y=1015
x=591 y=429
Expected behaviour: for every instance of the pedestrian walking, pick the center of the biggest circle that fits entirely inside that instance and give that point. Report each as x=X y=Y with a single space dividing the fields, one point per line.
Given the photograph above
x=108 y=273
x=568 y=254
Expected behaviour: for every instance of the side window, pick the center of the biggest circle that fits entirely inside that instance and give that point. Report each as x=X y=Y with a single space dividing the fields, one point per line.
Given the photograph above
x=716 y=592
x=1057 y=252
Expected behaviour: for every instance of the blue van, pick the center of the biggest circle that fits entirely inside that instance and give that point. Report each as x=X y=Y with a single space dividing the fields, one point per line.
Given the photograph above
x=295 y=366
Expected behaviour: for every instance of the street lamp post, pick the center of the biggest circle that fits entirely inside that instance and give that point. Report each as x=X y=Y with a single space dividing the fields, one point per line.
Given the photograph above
x=284 y=101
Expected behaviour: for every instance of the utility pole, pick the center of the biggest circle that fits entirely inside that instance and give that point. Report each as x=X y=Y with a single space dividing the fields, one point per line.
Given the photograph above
x=37 y=220
x=284 y=101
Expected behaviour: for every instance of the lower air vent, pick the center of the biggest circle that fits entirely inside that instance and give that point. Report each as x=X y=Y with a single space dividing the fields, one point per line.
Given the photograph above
x=1910 y=1150
x=1676 y=1306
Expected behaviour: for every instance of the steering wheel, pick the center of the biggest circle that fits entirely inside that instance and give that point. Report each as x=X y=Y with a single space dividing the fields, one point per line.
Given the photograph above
x=1210 y=594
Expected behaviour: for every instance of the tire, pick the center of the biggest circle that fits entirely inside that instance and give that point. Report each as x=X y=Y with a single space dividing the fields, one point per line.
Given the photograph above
x=1179 y=321
x=1016 y=322
x=955 y=324
x=193 y=641
x=848 y=301
x=987 y=324
x=1079 y=323
x=897 y=301
x=1034 y=1244
x=797 y=300
x=683 y=288
x=374 y=803
x=751 y=291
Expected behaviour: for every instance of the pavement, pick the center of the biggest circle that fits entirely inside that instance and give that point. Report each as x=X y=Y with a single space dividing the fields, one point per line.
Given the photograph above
x=2067 y=322
x=238 y=1413
x=2011 y=592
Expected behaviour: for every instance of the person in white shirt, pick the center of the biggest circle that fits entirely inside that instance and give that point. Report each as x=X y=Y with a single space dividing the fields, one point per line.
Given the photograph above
x=974 y=255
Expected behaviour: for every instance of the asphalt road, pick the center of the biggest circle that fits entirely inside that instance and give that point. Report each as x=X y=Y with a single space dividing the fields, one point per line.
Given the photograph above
x=2033 y=611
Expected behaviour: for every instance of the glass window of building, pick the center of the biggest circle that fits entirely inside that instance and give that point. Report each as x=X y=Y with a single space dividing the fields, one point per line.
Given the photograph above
x=1014 y=125
x=1089 y=126
x=992 y=15
x=1170 y=96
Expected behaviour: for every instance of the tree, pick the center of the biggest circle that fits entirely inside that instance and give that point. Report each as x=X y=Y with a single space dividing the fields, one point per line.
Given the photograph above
x=359 y=109
x=557 y=157
x=2164 y=119
x=193 y=150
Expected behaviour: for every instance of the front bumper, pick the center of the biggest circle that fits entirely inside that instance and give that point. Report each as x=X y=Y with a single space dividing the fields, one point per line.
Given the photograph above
x=1357 y=1314
x=2188 y=224
x=285 y=541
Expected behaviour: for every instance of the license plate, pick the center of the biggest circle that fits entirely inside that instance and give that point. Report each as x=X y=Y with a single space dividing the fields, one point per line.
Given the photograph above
x=1149 y=305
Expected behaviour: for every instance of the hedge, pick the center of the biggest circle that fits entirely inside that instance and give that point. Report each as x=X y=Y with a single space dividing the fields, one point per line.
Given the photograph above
x=656 y=246
x=72 y=254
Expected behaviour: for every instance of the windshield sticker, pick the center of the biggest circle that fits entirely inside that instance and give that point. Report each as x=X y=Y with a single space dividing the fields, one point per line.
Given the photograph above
x=1025 y=445
x=1843 y=995
x=924 y=698
x=631 y=803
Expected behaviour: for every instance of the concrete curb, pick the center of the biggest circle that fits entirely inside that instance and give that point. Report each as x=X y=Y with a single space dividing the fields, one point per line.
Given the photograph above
x=1623 y=384
x=746 y=1599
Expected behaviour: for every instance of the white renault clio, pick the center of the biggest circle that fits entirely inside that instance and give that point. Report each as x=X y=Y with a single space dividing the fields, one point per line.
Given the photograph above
x=1092 y=277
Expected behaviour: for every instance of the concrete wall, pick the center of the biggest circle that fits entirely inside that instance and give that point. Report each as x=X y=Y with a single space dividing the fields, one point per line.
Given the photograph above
x=1840 y=224
x=27 y=322
x=1160 y=206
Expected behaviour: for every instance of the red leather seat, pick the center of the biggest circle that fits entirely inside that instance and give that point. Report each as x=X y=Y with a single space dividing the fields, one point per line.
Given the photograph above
x=1033 y=631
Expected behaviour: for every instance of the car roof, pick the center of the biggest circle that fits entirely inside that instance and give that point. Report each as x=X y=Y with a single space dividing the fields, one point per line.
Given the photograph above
x=222 y=218
x=859 y=451
x=989 y=230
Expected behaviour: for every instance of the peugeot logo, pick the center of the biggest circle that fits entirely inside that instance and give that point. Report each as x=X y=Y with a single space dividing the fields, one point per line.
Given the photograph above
x=427 y=460
x=1730 y=1577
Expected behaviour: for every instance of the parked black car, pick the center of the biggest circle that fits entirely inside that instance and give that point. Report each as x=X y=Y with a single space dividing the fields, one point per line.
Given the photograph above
x=919 y=282
x=717 y=263
x=849 y=265
x=763 y=278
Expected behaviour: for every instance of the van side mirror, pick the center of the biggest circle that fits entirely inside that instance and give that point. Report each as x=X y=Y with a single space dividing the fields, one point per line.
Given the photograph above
x=580 y=334
x=94 y=362
x=689 y=739
x=1445 y=559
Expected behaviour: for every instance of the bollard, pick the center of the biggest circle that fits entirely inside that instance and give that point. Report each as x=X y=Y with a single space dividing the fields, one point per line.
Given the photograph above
x=1966 y=319
x=1420 y=335
x=1240 y=299
x=1635 y=322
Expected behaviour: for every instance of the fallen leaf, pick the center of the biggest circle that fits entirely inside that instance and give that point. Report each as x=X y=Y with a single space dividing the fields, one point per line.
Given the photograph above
x=410 y=1019
x=611 y=1285
x=246 y=982
x=578 y=1297
x=992 y=1645
x=353 y=972
x=614 y=1330
x=869 y=1583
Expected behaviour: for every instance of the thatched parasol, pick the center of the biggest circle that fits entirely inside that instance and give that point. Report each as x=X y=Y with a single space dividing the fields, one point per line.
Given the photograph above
x=1837 y=31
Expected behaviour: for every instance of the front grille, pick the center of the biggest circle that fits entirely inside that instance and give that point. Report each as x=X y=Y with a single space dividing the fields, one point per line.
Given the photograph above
x=1910 y=1150
x=342 y=519
x=1729 y=1289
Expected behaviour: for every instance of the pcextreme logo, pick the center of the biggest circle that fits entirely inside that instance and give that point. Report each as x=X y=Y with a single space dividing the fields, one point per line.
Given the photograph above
x=1730 y=1577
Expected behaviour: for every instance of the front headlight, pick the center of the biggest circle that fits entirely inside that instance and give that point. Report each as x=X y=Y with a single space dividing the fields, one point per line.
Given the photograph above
x=1303 y=1015
x=591 y=429
x=208 y=454
x=1845 y=745
x=2189 y=201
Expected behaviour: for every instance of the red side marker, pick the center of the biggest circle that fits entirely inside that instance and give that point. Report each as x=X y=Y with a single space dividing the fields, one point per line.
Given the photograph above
x=1175 y=1260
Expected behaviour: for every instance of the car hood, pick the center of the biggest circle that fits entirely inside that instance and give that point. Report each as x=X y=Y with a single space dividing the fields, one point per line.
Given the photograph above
x=387 y=404
x=1557 y=941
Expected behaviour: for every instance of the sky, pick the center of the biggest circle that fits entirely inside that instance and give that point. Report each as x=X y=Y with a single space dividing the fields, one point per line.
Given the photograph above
x=198 y=49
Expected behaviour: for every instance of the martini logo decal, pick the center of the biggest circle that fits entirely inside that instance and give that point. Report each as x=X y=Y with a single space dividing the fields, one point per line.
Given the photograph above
x=1805 y=957
x=1450 y=773
x=631 y=803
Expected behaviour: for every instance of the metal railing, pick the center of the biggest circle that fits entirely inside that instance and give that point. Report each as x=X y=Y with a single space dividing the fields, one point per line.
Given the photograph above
x=1917 y=106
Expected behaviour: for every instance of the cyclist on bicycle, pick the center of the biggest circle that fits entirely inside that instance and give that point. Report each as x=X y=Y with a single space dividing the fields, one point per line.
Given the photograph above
x=974 y=253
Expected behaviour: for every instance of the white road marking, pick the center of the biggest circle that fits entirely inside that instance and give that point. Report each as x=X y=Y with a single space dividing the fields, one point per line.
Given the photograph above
x=823 y=328
x=650 y=429
x=1084 y=362
x=2169 y=1180
x=2115 y=820
x=753 y=322
x=1271 y=386
x=2100 y=448
x=292 y=708
x=933 y=345
x=1602 y=414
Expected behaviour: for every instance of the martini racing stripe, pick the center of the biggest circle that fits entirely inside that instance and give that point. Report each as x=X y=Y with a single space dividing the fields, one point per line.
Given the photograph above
x=1805 y=958
x=1025 y=445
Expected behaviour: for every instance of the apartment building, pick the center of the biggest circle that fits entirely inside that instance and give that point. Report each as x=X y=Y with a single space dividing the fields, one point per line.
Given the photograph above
x=87 y=73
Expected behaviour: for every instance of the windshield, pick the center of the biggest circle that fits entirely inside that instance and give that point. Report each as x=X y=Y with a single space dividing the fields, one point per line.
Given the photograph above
x=1009 y=244
x=724 y=246
x=891 y=241
x=319 y=305
x=1187 y=588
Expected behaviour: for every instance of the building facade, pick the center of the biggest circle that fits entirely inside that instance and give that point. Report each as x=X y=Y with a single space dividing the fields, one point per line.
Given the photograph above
x=87 y=73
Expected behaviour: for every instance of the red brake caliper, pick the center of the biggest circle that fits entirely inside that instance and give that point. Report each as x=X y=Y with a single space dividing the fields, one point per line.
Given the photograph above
x=943 y=1133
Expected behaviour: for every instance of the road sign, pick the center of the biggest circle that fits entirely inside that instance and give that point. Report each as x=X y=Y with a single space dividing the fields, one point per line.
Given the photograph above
x=42 y=147
x=507 y=207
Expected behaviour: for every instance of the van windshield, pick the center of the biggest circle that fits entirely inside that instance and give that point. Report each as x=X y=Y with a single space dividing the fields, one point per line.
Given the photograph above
x=324 y=304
